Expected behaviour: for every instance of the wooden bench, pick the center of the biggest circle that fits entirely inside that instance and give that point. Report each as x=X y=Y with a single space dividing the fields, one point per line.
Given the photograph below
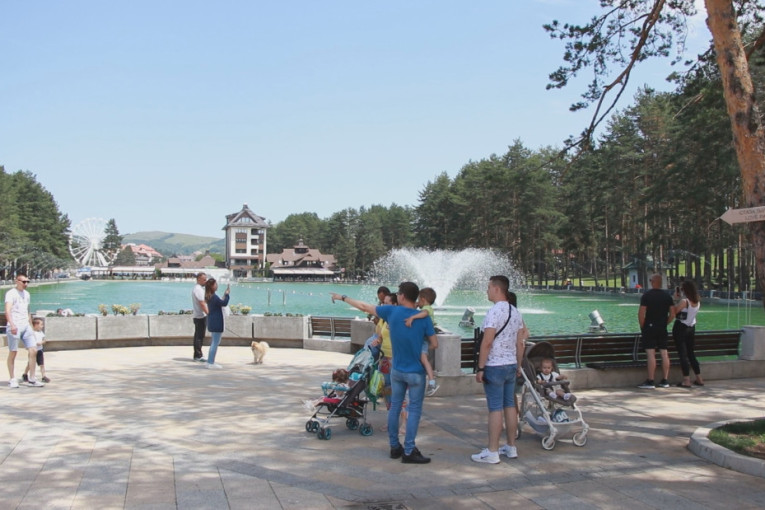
x=617 y=349
x=3 y=323
x=331 y=326
x=627 y=353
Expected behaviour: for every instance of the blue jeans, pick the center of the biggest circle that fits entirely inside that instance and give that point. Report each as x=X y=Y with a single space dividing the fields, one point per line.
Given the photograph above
x=215 y=340
x=499 y=386
x=400 y=382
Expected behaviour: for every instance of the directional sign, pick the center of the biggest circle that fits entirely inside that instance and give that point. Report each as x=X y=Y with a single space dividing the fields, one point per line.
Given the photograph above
x=732 y=216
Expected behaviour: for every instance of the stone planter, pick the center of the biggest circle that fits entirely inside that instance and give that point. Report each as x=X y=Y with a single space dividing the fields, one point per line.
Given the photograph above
x=171 y=329
x=62 y=333
x=280 y=331
x=237 y=330
x=133 y=327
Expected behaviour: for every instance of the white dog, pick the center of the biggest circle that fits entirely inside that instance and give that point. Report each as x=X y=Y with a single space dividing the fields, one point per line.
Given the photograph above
x=259 y=350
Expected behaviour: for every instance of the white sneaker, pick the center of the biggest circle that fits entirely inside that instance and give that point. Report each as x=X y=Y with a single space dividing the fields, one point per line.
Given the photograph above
x=486 y=456
x=214 y=366
x=13 y=383
x=35 y=383
x=510 y=451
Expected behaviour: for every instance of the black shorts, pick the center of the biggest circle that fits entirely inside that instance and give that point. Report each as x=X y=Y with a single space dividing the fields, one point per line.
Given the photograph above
x=40 y=358
x=654 y=337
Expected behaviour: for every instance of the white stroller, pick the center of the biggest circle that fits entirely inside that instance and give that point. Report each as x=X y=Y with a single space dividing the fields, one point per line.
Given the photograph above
x=548 y=416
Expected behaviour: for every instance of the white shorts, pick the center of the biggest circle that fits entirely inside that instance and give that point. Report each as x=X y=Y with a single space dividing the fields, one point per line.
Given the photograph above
x=25 y=333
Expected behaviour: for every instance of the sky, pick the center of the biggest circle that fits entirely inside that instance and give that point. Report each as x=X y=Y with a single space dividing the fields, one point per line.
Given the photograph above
x=169 y=115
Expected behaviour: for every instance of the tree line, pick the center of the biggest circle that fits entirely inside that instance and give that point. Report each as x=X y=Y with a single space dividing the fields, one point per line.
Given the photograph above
x=648 y=195
x=33 y=231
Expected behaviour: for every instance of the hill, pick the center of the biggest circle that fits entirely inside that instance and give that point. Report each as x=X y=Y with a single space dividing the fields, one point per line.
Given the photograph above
x=176 y=244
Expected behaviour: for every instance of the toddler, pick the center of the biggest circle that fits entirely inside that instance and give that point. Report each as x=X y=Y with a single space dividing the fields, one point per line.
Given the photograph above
x=37 y=331
x=425 y=302
x=333 y=391
x=547 y=375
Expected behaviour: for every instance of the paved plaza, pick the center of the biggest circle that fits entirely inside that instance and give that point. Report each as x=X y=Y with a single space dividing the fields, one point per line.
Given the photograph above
x=147 y=428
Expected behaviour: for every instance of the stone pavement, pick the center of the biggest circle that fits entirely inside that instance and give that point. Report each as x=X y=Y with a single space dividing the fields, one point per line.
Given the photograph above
x=145 y=427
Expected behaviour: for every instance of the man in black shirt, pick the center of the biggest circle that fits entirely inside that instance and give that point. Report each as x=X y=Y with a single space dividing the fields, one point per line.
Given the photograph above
x=656 y=311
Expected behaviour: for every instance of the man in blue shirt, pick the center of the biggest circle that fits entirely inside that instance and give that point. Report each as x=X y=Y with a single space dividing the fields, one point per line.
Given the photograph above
x=407 y=372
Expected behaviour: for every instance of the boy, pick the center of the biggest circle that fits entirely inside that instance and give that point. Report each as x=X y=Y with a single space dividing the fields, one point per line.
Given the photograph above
x=37 y=326
x=425 y=302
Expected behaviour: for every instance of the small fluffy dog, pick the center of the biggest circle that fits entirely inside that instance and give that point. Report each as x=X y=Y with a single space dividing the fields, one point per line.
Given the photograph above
x=259 y=350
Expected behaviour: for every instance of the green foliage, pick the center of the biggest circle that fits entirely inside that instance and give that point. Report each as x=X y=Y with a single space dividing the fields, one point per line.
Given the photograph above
x=742 y=437
x=112 y=242
x=33 y=232
x=125 y=258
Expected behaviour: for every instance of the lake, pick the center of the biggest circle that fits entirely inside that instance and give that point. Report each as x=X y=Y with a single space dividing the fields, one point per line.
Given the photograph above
x=546 y=313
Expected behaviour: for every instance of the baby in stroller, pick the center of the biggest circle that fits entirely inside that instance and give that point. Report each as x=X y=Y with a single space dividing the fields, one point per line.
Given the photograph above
x=343 y=397
x=554 y=385
x=333 y=391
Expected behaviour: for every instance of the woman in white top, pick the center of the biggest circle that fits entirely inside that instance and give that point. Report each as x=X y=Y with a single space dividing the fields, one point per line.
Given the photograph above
x=684 y=334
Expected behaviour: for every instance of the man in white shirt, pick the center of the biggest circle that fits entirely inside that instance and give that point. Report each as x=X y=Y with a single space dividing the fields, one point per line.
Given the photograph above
x=200 y=315
x=19 y=328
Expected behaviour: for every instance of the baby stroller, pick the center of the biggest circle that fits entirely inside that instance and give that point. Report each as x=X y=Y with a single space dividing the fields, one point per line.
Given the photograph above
x=351 y=405
x=548 y=416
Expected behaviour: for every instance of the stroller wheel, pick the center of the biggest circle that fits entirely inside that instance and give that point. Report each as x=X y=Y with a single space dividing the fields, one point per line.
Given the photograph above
x=548 y=443
x=324 y=434
x=580 y=438
x=366 y=430
x=352 y=423
x=309 y=426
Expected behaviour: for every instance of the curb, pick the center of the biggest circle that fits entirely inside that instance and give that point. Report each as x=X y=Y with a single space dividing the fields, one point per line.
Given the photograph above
x=703 y=447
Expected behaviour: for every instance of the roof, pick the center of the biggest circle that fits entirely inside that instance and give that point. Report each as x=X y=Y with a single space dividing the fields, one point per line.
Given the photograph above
x=302 y=271
x=245 y=218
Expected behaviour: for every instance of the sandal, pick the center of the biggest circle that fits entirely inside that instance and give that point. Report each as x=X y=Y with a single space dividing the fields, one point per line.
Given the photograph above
x=681 y=385
x=697 y=383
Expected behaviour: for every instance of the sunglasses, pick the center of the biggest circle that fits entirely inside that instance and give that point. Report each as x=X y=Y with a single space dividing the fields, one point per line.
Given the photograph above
x=23 y=281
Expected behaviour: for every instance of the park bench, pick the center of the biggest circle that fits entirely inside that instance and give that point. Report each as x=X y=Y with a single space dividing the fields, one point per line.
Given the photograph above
x=3 y=323
x=617 y=350
x=331 y=327
x=626 y=352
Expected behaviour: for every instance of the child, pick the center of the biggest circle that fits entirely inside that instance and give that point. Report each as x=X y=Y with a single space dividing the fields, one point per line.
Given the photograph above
x=546 y=375
x=37 y=326
x=425 y=302
x=333 y=391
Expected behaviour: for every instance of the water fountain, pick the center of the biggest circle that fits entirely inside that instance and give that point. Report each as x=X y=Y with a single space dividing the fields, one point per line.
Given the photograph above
x=443 y=270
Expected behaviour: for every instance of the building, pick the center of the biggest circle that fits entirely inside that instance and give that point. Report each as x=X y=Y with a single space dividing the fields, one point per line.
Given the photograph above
x=302 y=263
x=245 y=243
x=144 y=255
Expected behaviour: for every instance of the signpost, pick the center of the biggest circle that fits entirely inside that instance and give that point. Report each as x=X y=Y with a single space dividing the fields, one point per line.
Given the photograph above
x=732 y=216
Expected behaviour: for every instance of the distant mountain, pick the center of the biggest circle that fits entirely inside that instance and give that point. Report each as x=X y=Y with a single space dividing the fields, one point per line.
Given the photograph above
x=176 y=244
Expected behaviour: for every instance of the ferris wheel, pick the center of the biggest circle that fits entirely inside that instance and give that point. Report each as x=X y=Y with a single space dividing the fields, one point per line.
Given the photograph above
x=86 y=243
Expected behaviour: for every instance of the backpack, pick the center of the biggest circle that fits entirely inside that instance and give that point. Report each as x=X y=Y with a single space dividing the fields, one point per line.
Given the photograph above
x=375 y=387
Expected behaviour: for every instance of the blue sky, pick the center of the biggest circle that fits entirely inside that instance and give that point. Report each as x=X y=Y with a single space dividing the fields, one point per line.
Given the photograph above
x=168 y=115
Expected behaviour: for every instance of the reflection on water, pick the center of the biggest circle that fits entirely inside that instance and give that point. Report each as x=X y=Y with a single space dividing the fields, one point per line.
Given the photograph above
x=544 y=313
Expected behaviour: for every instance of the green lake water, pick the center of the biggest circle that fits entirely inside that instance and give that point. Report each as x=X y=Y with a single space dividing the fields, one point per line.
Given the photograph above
x=545 y=313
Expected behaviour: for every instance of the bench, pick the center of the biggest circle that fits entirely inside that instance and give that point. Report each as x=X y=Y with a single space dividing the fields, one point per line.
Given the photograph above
x=3 y=323
x=331 y=327
x=616 y=350
x=627 y=353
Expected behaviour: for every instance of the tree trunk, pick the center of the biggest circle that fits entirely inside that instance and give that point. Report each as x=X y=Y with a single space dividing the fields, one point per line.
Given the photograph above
x=748 y=133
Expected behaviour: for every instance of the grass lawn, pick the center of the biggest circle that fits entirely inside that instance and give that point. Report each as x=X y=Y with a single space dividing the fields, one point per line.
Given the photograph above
x=746 y=437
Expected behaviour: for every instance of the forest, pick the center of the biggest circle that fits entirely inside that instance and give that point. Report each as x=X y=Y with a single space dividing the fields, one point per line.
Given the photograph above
x=647 y=195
